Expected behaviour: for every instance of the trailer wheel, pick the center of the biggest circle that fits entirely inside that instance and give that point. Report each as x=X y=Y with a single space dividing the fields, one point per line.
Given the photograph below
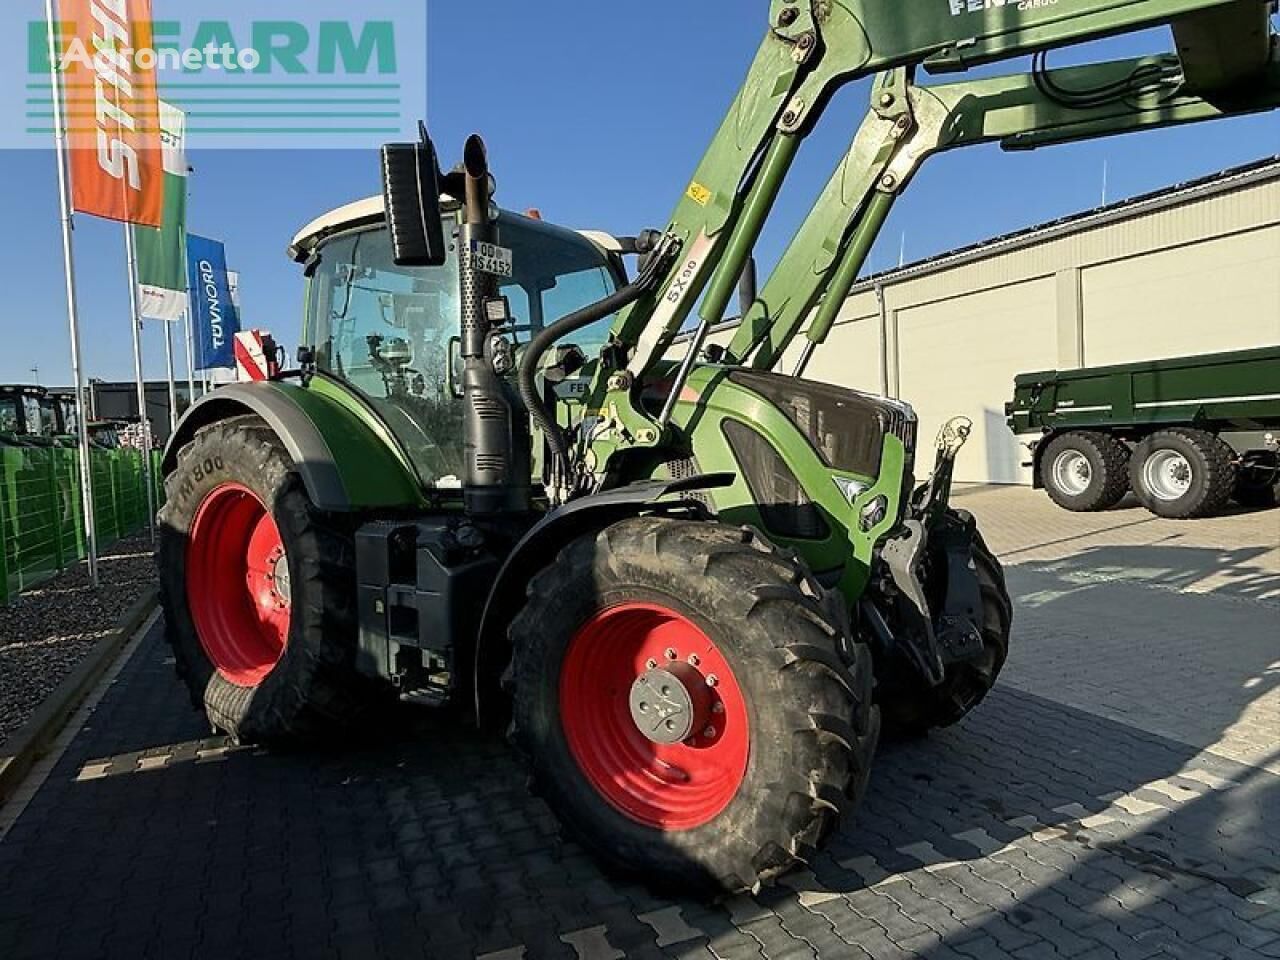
x=258 y=590
x=911 y=709
x=1085 y=471
x=1182 y=473
x=680 y=694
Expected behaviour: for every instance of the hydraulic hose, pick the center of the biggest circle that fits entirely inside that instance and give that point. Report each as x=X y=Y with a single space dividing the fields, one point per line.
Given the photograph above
x=525 y=379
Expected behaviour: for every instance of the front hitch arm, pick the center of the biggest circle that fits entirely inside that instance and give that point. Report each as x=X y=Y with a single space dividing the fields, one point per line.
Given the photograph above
x=934 y=542
x=934 y=496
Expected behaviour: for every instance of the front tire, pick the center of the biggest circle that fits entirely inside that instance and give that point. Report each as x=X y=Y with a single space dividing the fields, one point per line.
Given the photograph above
x=258 y=591
x=774 y=731
x=1183 y=474
x=1085 y=471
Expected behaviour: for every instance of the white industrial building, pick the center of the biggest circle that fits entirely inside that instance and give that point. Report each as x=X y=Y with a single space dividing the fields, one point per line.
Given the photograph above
x=1191 y=269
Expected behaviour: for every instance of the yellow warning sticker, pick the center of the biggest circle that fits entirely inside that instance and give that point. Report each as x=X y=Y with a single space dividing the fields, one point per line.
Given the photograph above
x=699 y=194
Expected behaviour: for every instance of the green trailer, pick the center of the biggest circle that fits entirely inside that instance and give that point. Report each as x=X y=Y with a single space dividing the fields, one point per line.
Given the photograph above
x=1174 y=431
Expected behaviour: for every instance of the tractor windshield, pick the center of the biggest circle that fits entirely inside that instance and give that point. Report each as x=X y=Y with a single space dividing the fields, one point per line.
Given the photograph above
x=31 y=415
x=392 y=332
x=48 y=417
x=10 y=421
x=69 y=415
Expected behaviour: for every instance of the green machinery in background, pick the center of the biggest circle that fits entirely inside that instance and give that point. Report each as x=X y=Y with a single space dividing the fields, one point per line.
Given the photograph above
x=695 y=588
x=1180 y=433
x=41 y=521
x=32 y=415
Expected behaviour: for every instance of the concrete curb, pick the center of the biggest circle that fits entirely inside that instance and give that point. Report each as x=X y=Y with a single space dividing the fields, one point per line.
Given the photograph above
x=25 y=747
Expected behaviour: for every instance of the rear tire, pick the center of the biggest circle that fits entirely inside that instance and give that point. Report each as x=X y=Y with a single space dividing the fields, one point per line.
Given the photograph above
x=297 y=680
x=1183 y=474
x=1085 y=471
x=912 y=709
x=789 y=750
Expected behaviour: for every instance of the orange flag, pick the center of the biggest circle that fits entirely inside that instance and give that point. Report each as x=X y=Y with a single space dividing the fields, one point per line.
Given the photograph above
x=112 y=110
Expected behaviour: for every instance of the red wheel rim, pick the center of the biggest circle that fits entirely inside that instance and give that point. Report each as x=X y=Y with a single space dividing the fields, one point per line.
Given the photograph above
x=237 y=584
x=675 y=786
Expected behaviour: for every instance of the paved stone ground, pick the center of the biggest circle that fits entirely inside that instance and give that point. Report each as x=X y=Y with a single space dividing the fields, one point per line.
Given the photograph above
x=1118 y=795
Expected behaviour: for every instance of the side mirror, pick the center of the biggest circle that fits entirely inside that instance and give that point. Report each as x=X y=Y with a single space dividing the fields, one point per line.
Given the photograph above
x=411 y=192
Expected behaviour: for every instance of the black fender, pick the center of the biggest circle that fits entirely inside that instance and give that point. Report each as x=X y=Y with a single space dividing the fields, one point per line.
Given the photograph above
x=343 y=462
x=539 y=547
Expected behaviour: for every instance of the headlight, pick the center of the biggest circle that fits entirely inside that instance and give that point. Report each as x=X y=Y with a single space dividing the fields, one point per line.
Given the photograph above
x=873 y=514
x=852 y=489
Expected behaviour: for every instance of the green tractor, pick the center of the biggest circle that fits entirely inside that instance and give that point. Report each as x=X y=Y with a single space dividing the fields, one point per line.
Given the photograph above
x=693 y=586
x=30 y=416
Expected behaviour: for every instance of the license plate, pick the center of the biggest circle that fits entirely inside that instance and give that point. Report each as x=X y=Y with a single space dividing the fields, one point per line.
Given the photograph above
x=491 y=258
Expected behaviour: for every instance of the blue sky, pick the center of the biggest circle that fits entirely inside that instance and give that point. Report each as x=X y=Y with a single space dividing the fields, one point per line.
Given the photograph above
x=596 y=113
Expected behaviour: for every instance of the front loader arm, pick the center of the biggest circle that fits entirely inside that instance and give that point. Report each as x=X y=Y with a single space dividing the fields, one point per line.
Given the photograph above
x=1020 y=112
x=811 y=49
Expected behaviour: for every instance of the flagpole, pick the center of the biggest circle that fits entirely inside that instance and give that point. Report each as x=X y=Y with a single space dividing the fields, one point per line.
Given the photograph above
x=73 y=312
x=173 y=383
x=136 y=321
x=191 y=363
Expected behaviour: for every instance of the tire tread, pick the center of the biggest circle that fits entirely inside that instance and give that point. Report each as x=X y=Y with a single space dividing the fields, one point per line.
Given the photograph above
x=820 y=686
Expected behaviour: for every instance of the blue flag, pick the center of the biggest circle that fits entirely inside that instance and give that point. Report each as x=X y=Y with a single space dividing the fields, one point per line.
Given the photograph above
x=212 y=311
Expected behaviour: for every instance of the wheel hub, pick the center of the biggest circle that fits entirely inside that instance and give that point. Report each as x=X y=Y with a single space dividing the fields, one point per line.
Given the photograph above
x=654 y=716
x=238 y=588
x=669 y=704
x=1073 y=472
x=280 y=585
x=1167 y=474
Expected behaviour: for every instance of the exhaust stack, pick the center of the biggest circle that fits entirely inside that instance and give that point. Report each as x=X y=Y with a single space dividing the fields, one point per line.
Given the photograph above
x=497 y=453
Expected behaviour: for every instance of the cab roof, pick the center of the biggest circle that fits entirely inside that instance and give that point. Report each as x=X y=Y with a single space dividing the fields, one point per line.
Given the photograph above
x=372 y=210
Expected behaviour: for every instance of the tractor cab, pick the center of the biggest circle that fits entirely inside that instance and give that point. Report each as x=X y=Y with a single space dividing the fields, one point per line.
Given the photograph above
x=393 y=333
x=63 y=407
x=28 y=416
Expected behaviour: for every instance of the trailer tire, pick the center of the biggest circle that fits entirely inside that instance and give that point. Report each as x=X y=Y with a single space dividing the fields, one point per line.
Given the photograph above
x=234 y=503
x=911 y=709
x=1182 y=474
x=793 y=725
x=1085 y=471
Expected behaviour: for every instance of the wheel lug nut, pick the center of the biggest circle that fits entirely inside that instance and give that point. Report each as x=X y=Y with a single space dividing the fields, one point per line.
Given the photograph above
x=709 y=732
x=694 y=660
x=712 y=680
x=671 y=654
x=717 y=707
x=652 y=664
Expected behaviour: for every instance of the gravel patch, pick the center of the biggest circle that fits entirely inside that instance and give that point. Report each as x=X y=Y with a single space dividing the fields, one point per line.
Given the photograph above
x=48 y=630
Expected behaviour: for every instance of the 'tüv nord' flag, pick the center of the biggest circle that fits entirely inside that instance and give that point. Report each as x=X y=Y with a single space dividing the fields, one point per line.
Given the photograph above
x=212 y=310
x=112 y=110
x=162 y=263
